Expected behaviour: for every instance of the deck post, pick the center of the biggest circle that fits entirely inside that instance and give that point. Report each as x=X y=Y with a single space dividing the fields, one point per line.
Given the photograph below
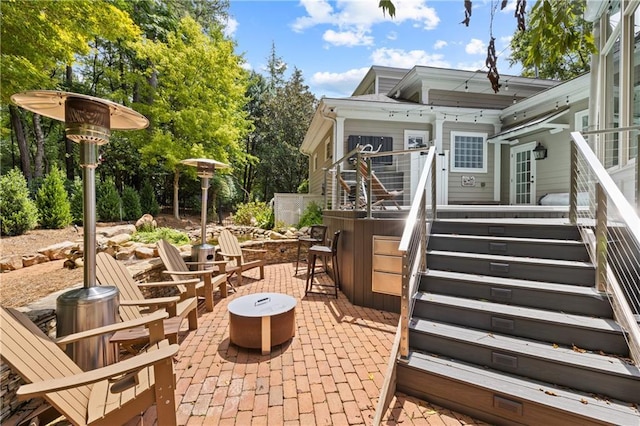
x=601 y=238
x=573 y=185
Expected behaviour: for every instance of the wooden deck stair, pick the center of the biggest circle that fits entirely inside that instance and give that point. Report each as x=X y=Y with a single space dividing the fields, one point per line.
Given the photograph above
x=507 y=327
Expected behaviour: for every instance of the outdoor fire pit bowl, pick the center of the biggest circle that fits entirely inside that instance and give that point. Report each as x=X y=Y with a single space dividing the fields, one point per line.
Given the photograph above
x=262 y=320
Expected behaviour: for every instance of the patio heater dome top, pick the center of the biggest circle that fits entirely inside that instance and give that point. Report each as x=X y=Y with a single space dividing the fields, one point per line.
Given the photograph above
x=51 y=103
x=206 y=166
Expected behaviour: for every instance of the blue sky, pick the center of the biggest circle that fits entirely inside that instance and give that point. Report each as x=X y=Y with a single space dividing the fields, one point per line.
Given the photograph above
x=334 y=43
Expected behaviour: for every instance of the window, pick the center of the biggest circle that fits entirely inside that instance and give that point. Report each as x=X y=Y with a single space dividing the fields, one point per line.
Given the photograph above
x=315 y=162
x=582 y=120
x=415 y=139
x=384 y=142
x=468 y=152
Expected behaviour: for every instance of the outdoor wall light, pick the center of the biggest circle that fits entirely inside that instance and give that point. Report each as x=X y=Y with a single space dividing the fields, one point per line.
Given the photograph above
x=540 y=152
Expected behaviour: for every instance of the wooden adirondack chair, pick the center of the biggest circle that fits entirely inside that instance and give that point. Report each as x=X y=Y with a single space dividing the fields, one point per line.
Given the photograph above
x=232 y=252
x=133 y=304
x=110 y=395
x=179 y=269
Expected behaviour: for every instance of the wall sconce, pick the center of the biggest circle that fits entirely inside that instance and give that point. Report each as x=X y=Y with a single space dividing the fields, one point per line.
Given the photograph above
x=540 y=152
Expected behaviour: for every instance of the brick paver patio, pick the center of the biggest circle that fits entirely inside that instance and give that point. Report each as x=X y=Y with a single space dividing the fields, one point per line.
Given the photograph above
x=330 y=373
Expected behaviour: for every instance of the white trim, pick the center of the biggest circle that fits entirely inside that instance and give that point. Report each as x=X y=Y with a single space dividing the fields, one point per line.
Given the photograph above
x=485 y=155
x=497 y=170
x=512 y=172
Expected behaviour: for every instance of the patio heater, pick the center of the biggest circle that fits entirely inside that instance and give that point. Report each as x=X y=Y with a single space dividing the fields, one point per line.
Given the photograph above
x=206 y=167
x=88 y=121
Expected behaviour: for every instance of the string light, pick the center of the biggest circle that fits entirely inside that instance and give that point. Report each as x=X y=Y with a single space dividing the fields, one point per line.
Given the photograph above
x=466 y=86
x=506 y=86
x=567 y=100
x=514 y=99
x=556 y=105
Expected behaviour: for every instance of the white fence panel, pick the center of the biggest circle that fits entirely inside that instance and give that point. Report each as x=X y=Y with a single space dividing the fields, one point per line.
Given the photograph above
x=289 y=207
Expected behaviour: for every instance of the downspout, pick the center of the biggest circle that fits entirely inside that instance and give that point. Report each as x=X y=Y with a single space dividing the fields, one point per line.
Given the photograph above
x=334 y=136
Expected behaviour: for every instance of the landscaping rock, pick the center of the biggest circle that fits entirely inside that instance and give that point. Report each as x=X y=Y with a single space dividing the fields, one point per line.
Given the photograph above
x=147 y=222
x=110 y=231
x=59 y=251
x=143 y=252
x=11 y=263
x=34 y=259
x=118 y=239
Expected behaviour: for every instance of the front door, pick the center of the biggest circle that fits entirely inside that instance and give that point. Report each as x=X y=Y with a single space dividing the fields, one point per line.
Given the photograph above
x=523 y=173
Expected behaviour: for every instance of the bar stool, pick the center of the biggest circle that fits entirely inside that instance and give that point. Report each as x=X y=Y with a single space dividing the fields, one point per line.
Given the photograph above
x=325 y=252
x=317 y=235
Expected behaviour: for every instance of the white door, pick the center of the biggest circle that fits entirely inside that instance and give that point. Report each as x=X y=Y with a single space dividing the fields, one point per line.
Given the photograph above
x=523 y=174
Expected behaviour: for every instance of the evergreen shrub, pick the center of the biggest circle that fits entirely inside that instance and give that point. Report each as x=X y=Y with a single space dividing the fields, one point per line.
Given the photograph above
x=131 y=209
x=54 y=208
x=18 y=212
x=108 y=202
x=76 y=202
x=148 y=201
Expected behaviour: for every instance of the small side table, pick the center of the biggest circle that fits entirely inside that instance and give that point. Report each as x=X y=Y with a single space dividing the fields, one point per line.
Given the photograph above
x=262 y=320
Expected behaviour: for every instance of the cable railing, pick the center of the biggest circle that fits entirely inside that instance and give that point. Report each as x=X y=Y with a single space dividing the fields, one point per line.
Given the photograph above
x=374 y=181
x=610 y=228
x=413 y=246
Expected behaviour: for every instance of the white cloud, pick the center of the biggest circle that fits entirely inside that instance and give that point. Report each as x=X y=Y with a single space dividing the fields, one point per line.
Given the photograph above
x=348 y=38
x=230 y=27
x=475 y=47
x=362 y=14
x=342 y=84
x=439 y=44
x=511 y=7
x=407 y=59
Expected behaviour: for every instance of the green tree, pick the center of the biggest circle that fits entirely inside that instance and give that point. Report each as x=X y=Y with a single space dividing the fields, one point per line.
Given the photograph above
x=54 y=208
x=558 y=42
x=198 y=108
x=18 y=212
x=131 y=209
x=65 y=28
x=280 y=130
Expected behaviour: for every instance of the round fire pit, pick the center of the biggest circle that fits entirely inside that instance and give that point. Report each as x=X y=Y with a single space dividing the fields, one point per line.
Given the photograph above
x=262 y=320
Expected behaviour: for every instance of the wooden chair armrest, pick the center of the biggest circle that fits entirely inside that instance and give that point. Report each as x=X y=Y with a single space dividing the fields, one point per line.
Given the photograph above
x=200 y=273
x=232 y=256
x=208 y=262
x=169 y=283
x=129 y=365
x=138 y=322
x=155 y=301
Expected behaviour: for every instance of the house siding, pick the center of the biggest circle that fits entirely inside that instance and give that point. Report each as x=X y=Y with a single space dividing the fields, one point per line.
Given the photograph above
x=482 y=192
x=553 y=174
x=385 y=84
x=316 y=177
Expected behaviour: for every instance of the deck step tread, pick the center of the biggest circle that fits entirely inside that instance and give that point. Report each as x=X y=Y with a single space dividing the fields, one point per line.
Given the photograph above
x=516 y=259
x=509 y=239
x=517 y=283
x=541 y=315
x=579 y=403
x=544 y=351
